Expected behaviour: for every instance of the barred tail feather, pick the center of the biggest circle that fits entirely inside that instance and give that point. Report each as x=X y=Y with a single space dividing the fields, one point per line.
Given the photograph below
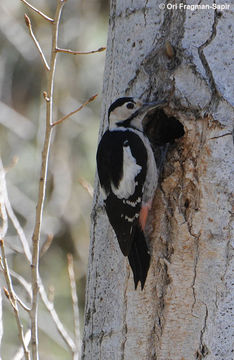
x=139 y=258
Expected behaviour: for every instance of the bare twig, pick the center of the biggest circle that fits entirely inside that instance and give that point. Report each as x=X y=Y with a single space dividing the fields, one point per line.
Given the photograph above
x=29 y=25
x=18 y=228
x=75 y=305
x=33 y=258
x=20 y=353
x=42 y=182
x=75 y=111
x=37 y=285
x=37 y=11
x=50 y=307
x=13 y=300
x=22 y=304
x=6 y=205
x=3 y=261
x=46 y=244
x=24 y=283
x=72 y=52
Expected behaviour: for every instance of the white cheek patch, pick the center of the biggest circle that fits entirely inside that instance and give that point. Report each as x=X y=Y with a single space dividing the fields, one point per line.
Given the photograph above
x=131 y=169
x=119 y=114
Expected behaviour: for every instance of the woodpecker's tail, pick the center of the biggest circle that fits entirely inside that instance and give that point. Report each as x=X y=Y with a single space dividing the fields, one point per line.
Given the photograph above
x=139 y=258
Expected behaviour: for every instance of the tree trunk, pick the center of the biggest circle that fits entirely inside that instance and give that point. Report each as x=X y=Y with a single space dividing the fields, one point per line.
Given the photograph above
x=184 y=311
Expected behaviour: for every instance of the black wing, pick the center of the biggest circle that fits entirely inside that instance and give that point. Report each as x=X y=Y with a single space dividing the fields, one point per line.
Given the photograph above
x=110 y=160
x=123 y=213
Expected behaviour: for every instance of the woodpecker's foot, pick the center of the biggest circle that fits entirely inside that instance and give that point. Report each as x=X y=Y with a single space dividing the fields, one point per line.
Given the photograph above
x=144 y=214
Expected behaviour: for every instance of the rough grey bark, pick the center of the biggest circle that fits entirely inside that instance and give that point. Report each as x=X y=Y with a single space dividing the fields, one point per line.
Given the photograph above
x=184 y=311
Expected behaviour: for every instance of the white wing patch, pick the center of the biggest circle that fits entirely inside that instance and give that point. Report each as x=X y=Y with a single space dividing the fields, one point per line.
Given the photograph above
x=131 y=169
x=131 y=219
x=134 y=203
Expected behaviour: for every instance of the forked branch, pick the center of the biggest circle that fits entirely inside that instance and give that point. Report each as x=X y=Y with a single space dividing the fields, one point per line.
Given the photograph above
x=75 y=111
x=10 y=294
x=42 y=183
x=29 y=25
x=72 y=52
x=38 y=11
x=48 y=95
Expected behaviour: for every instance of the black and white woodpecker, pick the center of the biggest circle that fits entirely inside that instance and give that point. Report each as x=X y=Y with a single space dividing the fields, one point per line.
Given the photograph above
x=128 y=176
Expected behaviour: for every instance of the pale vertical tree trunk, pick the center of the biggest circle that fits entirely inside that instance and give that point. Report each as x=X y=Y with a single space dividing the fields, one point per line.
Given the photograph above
x=184 y=311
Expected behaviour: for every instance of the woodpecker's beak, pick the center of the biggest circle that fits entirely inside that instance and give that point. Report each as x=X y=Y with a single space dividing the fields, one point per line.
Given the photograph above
x=152 y=105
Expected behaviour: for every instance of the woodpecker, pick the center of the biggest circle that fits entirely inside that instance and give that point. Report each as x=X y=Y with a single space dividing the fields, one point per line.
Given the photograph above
x=128 y=177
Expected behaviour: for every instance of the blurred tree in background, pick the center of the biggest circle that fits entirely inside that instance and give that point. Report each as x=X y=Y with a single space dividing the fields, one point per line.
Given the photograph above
x=22 y=119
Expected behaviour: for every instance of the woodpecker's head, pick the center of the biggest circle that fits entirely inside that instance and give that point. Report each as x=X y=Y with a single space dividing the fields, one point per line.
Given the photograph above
x=129 y=112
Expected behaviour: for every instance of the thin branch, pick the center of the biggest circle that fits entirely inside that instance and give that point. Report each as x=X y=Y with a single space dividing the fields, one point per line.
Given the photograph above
x=20 y=353
x=3 y=190
x=37 y=11
x=75 y=111
x=37 y=285
x=35 y=274
x=46 y=244
x=42 y=183
x=5 y=204
x=29 y=25
x=22 y=304
x=75 y=305
x=50 y=307
x=23 y=282
x=72 y=52
x=17 y=226
x=13 y=300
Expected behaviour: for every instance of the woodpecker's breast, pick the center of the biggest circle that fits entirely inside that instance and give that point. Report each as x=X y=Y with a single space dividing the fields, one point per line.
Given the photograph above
x=122 y=162
x=130 y=170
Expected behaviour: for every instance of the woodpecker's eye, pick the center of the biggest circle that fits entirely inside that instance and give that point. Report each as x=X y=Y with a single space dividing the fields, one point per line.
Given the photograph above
x=130 y=105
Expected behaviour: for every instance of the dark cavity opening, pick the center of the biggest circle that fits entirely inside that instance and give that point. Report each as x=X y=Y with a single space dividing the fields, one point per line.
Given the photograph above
x=162 y=130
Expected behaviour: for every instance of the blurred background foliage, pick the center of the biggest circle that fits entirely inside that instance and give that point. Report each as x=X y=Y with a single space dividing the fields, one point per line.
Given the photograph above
x=22 y=119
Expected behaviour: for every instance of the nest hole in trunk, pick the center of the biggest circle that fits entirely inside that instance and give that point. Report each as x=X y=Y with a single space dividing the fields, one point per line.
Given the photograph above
x=162 y=131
